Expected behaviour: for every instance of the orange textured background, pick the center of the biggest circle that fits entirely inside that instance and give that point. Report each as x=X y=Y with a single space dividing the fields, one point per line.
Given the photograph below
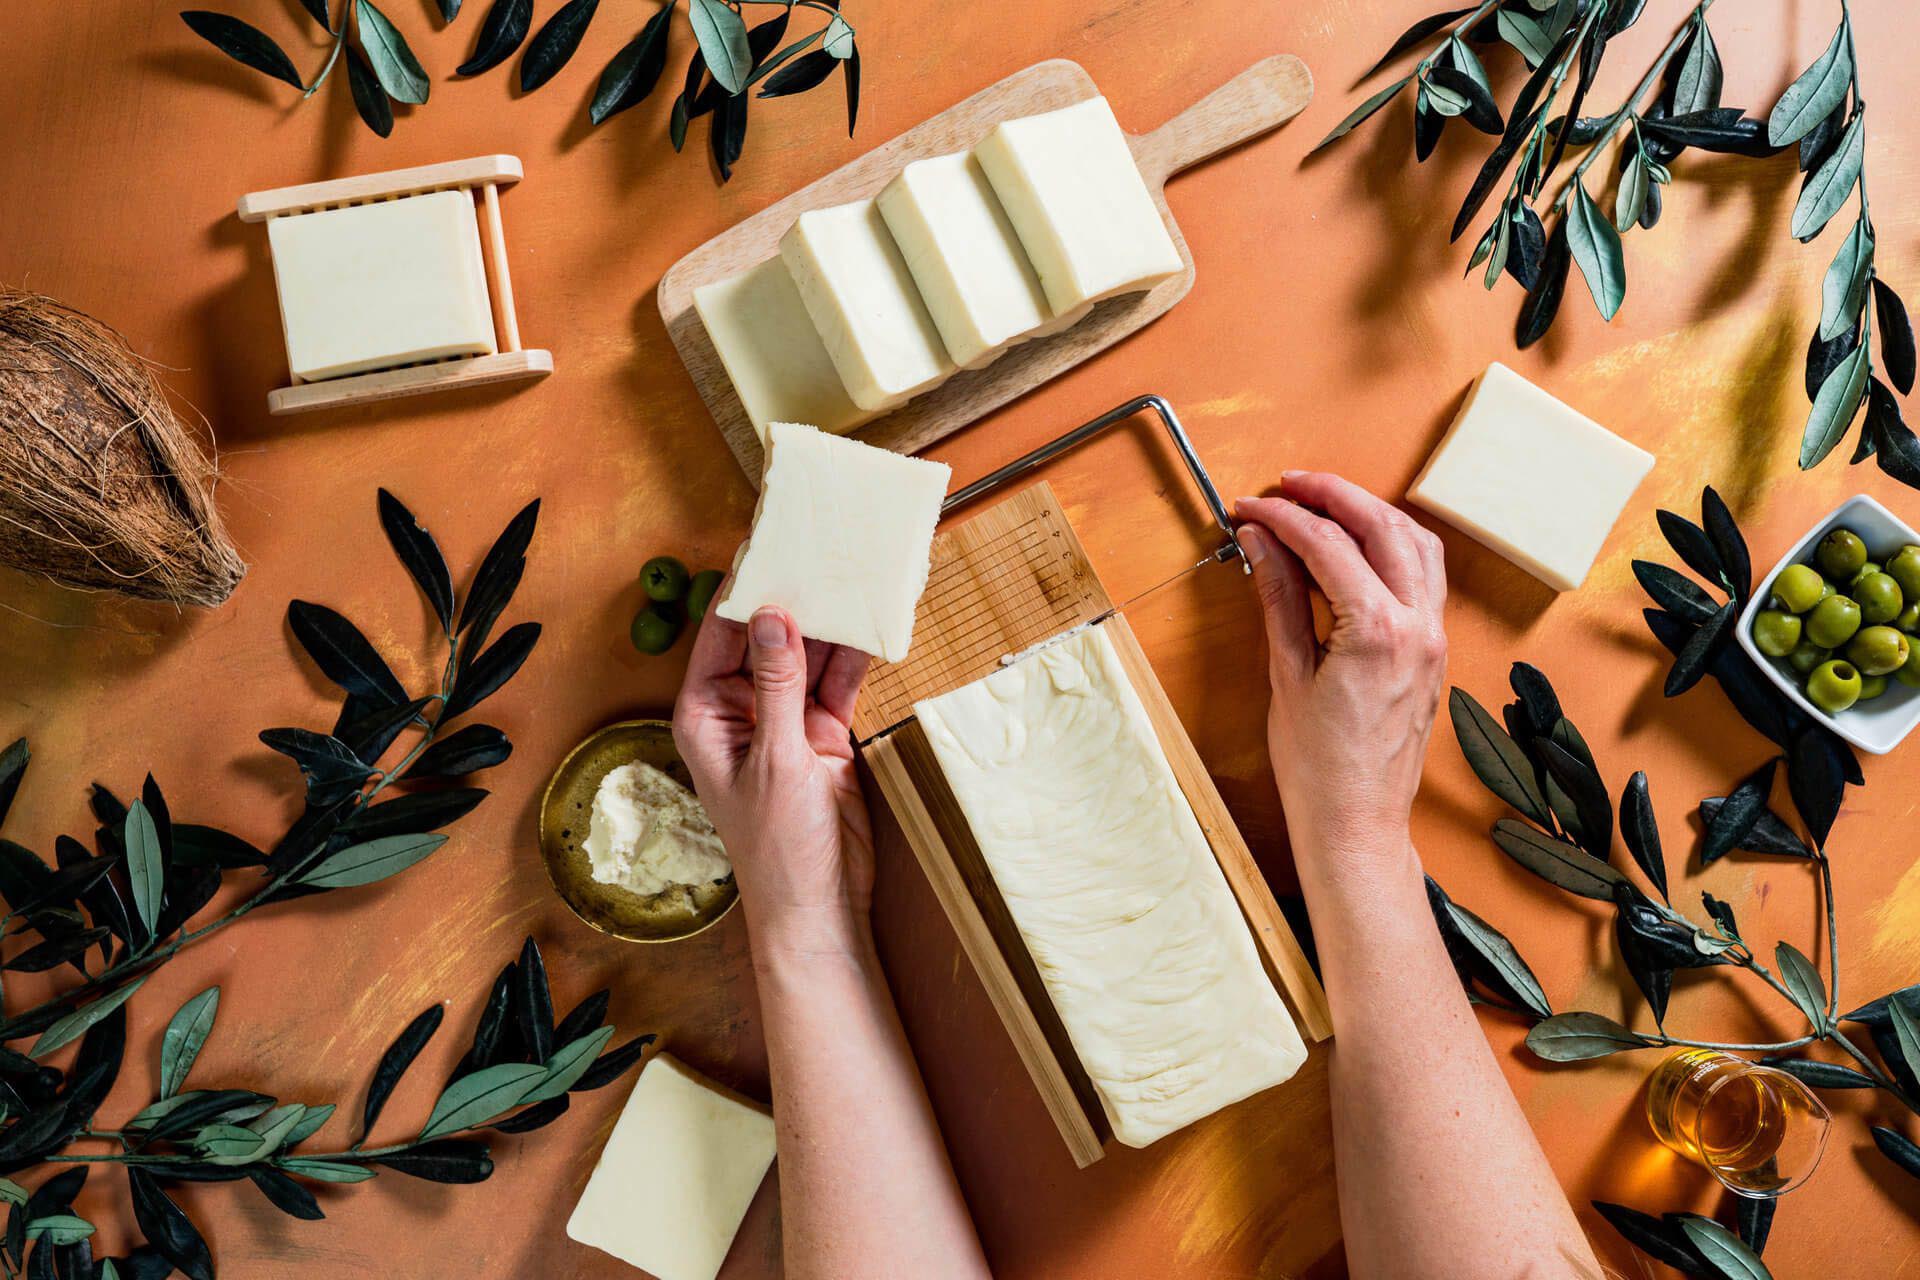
x=1329 y=329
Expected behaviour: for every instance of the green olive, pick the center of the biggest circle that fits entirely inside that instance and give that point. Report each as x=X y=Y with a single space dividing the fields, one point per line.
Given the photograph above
x=1880 y=598
x=700 y=592
x=1909 y=619
x=655 y=631
x=1910 y=674
x=665 y=579
x=1806 y=656
x=1827 y=589
x=1798 y=587
x=1904 y=565
x=1775 y=633
x=1833 y=687
x=1872 y=687
x=1833 y=621
x=1840 y=554
x=1879 y=651
x=1861 y=574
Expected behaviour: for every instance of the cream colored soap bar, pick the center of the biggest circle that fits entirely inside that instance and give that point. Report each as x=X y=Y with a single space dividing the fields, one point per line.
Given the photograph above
x=1073 y=192
x=1113 y=886
x=778 y=364
x=966 y=259
x=375 y=286
x=676 y=1176
x=863 y=302
x=840 y=540
x=1531 y=478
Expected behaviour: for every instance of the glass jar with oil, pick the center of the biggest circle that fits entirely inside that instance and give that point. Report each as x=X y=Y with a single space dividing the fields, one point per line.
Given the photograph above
x=1757 y=1129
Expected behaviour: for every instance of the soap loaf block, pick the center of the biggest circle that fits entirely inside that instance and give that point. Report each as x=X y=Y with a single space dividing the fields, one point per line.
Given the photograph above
x=1531 y=478
x=1107 y=875
x=376 y=286
x=863 y=302
x=1069 y=184
x=677 y=1174
x=841 y=540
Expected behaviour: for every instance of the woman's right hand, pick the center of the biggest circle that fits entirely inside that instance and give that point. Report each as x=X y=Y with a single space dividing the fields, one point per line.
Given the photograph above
x=1348 y=725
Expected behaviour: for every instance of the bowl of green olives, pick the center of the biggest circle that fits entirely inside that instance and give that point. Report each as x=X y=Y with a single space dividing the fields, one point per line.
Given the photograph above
x=1837 y=625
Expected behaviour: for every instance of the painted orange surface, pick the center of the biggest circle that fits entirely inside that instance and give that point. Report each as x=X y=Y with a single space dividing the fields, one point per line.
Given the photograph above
x=1329 y=329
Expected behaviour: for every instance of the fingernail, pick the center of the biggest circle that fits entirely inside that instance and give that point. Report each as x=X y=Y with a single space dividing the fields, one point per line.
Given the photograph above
x=1290 y=475
x=769 y=631
x=1253 y=544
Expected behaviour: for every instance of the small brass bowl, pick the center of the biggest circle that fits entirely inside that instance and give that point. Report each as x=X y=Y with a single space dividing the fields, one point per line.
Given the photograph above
x=566 y=810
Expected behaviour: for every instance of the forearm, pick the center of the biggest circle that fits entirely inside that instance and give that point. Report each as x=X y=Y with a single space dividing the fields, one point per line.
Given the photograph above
x=1440 y=1176
x=866 y=1189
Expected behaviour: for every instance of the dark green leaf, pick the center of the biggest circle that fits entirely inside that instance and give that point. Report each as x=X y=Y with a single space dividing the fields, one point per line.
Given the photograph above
x=1516 y=979
x=24 y=878
x=414 y=545
x=1821 y=1075
x=310 y=833
x=186 y=1032
x=1412 y=36
x=1814 y=95
x=589 y=1015
x=285 y=1194
x=1896 y=347
x=1697 y=86
x=635 y=70
x=325 y=762
x=495 y=1017
x=395 y=1061
x=1895 y=446
x=1576 y=1037
x=1723 y=130
x=465 y=751
x=1821 y=141
x=484 y=676
x=369 y=736
x=533 y=1002
x=728 y=133
x=415 y=814
x=449 y=9
x=485 y=1095
x=1495 y=758
x=1722 y=1250
x=499 y=573
x=1543 y=298
x=1903 y=1014
x=198 y=846
x=55 y=951
x=1769 y=834
x=1556 y=861
x=1898 y=1148
x=1479 y=110
x=1729 y=546
x=318 y=10
x=343 y=654
x=1824 y=357
x=538 y=1116
x=245 y=44
x=553 y=46
x=723 y=42
x=613 y=1064
x=1582 y=783
x=1694 y=659
x=1490 y=171
x=1360 y=113
x=166 y=1227
x=393 y=63
x=1830 y=185
x=1524 y=34
x=1428 y=125
x=852 y=79
x=1596 y=249
x=452 y=1161
x=1631 y=197
x=800 y=75
x=1675 y=592
x=501 y=32
x=1816 y=780
x=1734 y=820
x=372 y=861
x=1803 y=983
x=146 y=863
x=1650 y=210
x=1641 y=832
x=574 y=1058
x=13 y=767
x=369 y=99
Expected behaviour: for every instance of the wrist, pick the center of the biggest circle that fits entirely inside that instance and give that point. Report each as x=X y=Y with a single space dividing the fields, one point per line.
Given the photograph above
x=784 y=937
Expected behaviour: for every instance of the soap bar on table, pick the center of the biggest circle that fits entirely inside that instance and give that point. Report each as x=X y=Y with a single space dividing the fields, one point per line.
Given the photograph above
x=840 y=540
x=1070 y=186
x=676 y=1176
x=1531 y=478
x=864 y=304
x=1111 y=882
x=376 y=286
x=777 y=362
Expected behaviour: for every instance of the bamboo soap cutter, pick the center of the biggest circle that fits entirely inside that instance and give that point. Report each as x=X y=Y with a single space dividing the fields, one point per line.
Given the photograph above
x=1258 y=100
x=1006 y=579
x=482 y=176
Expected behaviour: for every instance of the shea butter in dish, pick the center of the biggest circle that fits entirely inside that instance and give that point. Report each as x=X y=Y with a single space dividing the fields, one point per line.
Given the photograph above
x=1531 y=478
x=649 y=834
x=840 y=540
x=677 y=1174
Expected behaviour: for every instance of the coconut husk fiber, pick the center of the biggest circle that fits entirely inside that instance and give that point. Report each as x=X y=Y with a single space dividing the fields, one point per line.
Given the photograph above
x=102 y=486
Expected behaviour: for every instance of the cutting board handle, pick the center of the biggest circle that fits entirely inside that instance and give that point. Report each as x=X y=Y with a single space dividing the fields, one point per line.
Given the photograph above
x=1263 y=97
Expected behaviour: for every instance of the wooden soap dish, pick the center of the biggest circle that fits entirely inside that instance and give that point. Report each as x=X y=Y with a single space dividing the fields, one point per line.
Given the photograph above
x=483 y=176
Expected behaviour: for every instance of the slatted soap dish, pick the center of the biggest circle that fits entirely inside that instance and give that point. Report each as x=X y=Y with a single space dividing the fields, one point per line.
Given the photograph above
x=393 y=284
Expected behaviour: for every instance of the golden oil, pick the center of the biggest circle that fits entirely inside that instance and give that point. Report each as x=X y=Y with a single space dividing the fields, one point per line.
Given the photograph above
x=1759 y=1130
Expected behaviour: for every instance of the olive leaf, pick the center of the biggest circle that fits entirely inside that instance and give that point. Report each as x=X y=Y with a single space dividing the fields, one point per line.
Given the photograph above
x=1896 y=341
x=448 y=1161
x=1697 y=654
x=1579 y=780
x=484 y=676
x=1494 y=757
x=186 y=1033
x=475 y=1099
x=1412 y=36
x=1525 y=34
x=1843 y=290
x=414 y=814
x=166 y=1226
x=1904 y=1015
x=1830 y=185
x=555 y=44
x=1576 y=1037
x=1596 y=249
x=501 y=32
x=1815 y=94
x=1631 y=196
x=146 y=863
x=1556 y=861
x=1834 y=408
x=1803 y=984
x=369 y=99
x=1662 y=1240
x=1816 y=779
x=498 y=576
x=1722 y=1249
x=285 y=1194
x=567 y=1064
x=1722 y=130
x=1543 y=297
x=800 y=75
x=635 y=70
x=420 y=554
x=395 y=1061
x=343 y=654
x=465 y=751
x=1898 y=1148
x=1729 y=545
x=325 y=1170
x=722 y=36
x=1360 y=113
x=533 y=1002
x=1820 y=1075
x=1733 y=821
x=71 y=1027
x=613 y=1064
x=1697 y=86
x=325 y=762
x=245 y=44
x=1465 y=97
x=398 y=71
x=1769 y=833
x=1641 y=833
x=371 y=861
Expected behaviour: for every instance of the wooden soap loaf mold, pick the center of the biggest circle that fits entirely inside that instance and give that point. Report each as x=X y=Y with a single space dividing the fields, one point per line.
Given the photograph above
x=483 y=176
x=1259 y=99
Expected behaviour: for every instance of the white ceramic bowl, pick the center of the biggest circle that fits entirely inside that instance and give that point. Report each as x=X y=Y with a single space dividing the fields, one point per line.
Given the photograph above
x=1876 y=726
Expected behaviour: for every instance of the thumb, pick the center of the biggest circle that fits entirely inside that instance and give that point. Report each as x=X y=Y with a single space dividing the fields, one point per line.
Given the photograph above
x=779 y=662
x=1281 y=582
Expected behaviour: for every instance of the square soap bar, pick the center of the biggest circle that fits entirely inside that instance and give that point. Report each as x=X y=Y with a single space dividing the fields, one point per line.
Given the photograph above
x=1531 y=478
x=677 y=1174
x=965 y=257
x=864 y=304
x=375 y=286
x=840 y=540
x=1072 y=190
x=778 y=365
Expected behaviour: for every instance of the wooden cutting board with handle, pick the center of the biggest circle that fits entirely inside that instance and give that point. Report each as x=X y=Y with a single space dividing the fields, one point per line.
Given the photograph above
x=1259 y=99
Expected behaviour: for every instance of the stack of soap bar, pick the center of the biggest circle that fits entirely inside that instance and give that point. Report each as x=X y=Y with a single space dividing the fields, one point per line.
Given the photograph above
x=1531 y=478
x=1113 y=886
x=1070 y=186
x=966 y=259
x=676 y=1176
x=376 y=286
x=863 y=302
x=840 y=540
x=774 y=357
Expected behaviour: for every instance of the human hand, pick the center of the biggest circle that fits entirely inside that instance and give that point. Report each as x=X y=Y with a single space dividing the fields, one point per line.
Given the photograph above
x=1348 y=724
x=763 y=722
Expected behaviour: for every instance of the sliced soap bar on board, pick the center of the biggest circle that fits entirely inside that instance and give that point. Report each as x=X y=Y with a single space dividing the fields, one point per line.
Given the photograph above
x=864 y=304
x=1111 y=882
x=841 y=540
x=966 y=258
x=677 y=1174
x=1069 y=184
x=777 y=362
x=376 y=286
x=1531 y=478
